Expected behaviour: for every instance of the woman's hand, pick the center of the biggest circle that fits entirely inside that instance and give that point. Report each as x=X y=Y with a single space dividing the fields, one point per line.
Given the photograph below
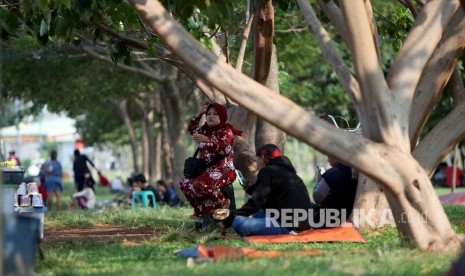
x=203 y=109
x=197 y=137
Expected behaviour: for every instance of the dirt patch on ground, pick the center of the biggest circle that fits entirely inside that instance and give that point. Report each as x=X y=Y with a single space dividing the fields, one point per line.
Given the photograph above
x=104 y=234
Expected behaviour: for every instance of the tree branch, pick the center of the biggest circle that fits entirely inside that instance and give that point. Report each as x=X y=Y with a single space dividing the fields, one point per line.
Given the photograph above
x=374 y=28
x=245 y=37
x=378 y=125
x=292 y=30
x=457 y=87
x=130 y=41
x=409 y=5
x=420 y=44
x=165 y=54
x=331 y=53
x=90 y=51
x=436 y=73
x=333 y=13
x=441 y=139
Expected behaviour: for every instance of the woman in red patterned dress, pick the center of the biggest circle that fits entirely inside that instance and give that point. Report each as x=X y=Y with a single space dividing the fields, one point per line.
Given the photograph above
x=215 y=140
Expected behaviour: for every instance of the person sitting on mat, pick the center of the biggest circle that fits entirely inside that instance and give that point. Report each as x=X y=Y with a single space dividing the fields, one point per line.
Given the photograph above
x=84 y=199
x=278 y=190
x=215 y=141
x=336 y=188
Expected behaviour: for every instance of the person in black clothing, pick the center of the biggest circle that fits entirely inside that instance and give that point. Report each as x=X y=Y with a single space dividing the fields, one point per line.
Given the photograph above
x=141 y=184
x=167 y=193
x=336 y=189
x=80 y=168
x=277 y=191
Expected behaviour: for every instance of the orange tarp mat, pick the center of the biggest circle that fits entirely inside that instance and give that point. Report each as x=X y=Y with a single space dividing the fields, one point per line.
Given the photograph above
x=454 y=198
x=222 y=252
x=344 y=233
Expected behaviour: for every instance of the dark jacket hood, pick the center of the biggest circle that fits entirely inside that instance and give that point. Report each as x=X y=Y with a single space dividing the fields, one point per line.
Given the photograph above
x=282 y=161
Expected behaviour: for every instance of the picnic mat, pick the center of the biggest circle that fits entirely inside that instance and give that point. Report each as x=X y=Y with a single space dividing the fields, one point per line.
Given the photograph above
x=454 y=198
x=221 y=252
x=344 y=233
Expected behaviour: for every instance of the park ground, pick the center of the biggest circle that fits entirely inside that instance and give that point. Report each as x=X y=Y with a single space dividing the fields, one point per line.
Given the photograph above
x=123 y=242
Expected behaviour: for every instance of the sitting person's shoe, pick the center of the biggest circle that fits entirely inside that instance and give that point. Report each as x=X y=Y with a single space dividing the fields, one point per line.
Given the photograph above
x=220 y=214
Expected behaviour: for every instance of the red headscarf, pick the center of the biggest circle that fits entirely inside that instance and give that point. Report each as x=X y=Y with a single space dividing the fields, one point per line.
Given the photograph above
x=223 y=114
x=269 y=150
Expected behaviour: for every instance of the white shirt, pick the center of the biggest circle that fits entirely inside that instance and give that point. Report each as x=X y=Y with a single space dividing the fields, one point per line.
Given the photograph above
x=117 y=184
x=89 y=195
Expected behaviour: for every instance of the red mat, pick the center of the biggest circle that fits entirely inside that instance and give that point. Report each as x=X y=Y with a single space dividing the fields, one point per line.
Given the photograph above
x=454 y=198
x=221 y=252
x=344 y=233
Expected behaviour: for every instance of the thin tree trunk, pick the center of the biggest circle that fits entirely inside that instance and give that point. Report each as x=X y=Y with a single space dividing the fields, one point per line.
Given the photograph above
x=121 y=110
x=454 y=170
x=175 y=112
x=159 y=171
x=166 y=150
x=145 y=109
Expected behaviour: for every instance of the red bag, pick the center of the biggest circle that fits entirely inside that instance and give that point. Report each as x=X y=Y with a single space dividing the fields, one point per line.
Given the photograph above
x=103 y=180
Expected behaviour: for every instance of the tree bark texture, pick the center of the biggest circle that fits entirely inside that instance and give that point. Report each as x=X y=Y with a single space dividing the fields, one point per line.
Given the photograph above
x=263 y=32
x=265 y=132
x=436 y=74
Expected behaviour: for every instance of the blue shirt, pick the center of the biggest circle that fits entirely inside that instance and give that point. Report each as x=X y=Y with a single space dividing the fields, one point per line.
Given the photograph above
x=52 y=170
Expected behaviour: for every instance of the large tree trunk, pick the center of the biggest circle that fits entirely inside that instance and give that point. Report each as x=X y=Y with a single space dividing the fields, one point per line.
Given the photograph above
x=244 y=153
x=416 y=209
x=371 y=208
x=265 y=70
x=418 y=214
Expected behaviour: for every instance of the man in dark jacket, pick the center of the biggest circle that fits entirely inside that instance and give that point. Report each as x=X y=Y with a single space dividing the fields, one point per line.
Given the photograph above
x=80 y=168
x=280 y=202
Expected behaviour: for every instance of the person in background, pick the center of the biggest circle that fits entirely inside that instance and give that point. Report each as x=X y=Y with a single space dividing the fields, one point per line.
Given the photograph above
x=337 y=187
x=117 y=185
x=439 y=175
x=167 y=193
x=42 y=189
x=52 y=172
x=12 y=157
x=215 y=139
x=141 y=184
x=85 y=199
x=80 y=168
x=175 y=201
x=124 y=200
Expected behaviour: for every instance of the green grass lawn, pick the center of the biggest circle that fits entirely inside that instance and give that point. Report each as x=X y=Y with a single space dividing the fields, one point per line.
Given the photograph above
x=381 y=255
